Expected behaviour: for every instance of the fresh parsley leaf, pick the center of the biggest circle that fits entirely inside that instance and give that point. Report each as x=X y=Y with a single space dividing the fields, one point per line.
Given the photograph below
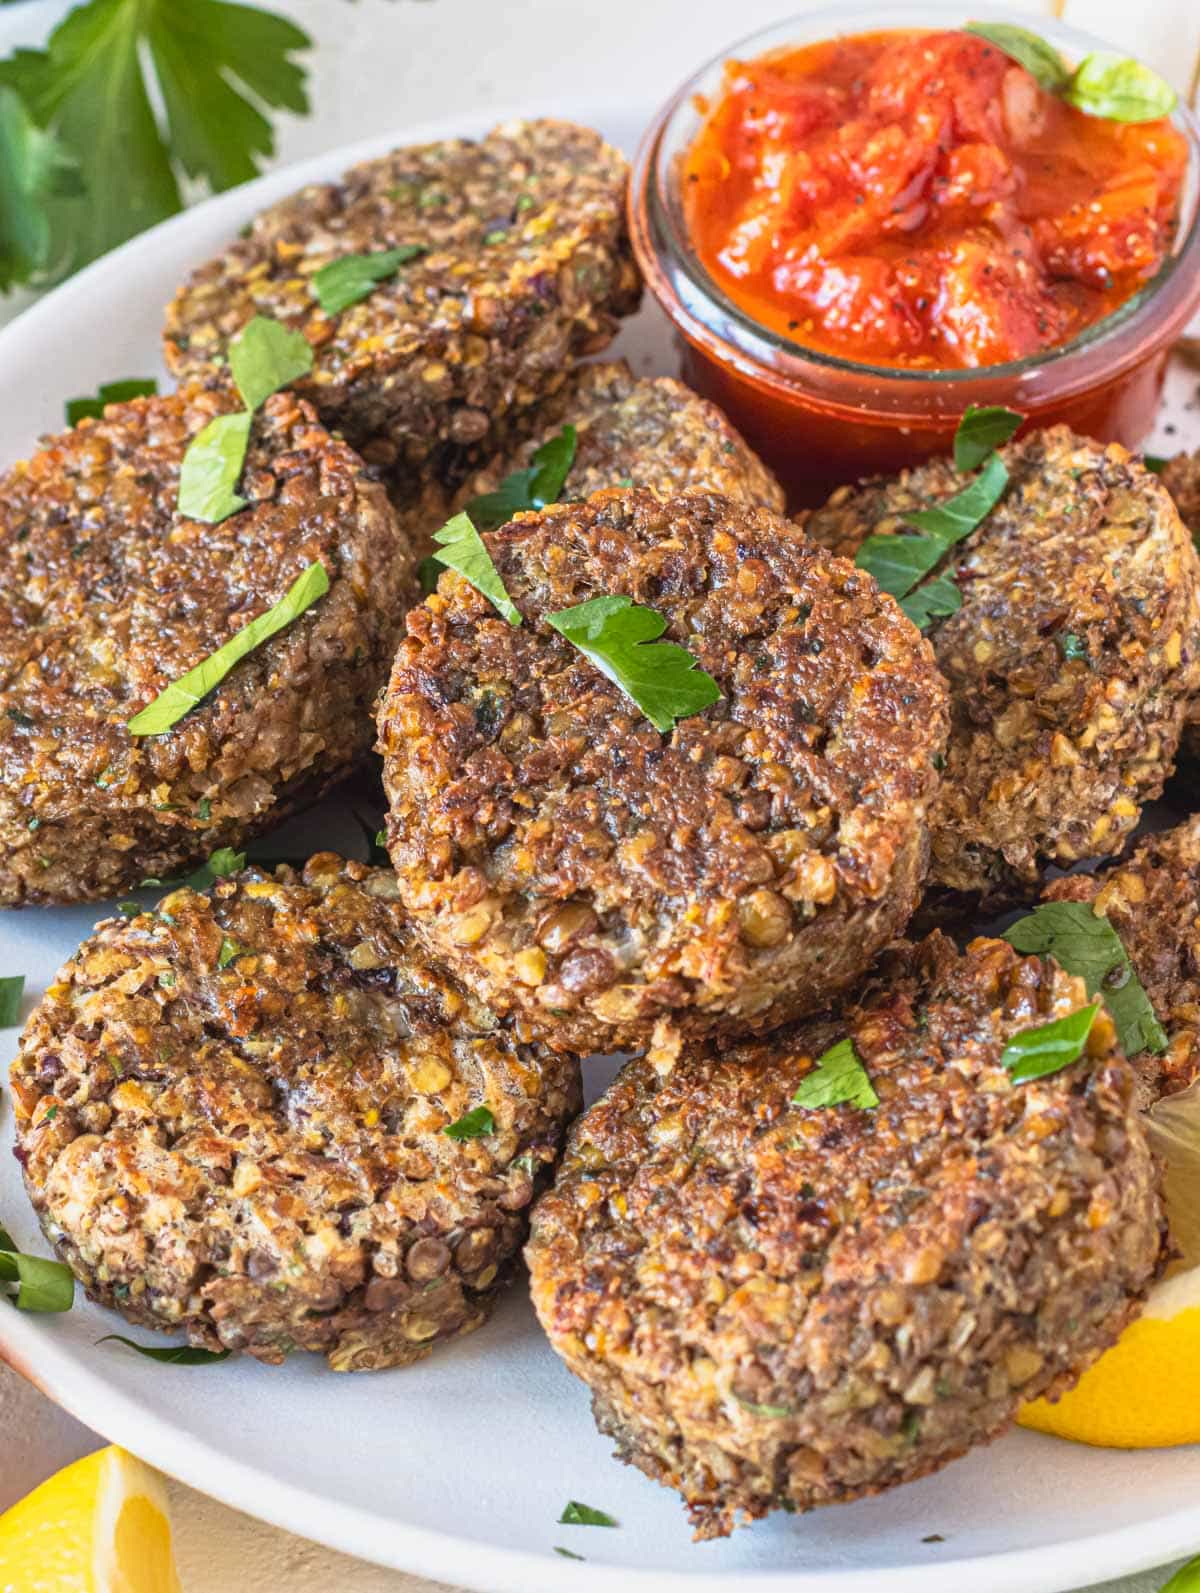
x=121 y=392
x=839 y=1078
x=1039 y=58
x=214 y=65
x=461 y=548
x=229 y=952
x=1036 y=1053
x=1155 y=463
x=265 y=356
x=898 y=561
x=662 y=678
x=212 y=467
x=980 y=431
x=12 y=988
x=1119 y=89
x=43 y=1286
x=182 y=695
x=1085 y=943
x=934 y=600
x=581 y=1515
x=344 y=282
x=567 y=1554
x=35 y=168
x=428 y=571
x=1186 y=1579
x=169 y=1354
x=958 y=516
x=474 y=1125
x=532 y=488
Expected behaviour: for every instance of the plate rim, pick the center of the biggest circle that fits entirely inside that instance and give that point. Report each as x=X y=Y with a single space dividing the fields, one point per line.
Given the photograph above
x=366 y=1534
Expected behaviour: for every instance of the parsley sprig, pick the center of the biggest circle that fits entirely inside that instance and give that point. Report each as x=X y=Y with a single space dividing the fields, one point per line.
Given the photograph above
x=461 y=548
x=182 y=695
x=1037 y=1053
x=119 y=392
x=12 y=988
x=354 y=277
x=128 y=99
x=42 y=1286
x=264 y=357
x=838 y=1079
x=619 y=637
x=900 y=561
x=1105 y=84
x=1085 y=943
x=533 y=488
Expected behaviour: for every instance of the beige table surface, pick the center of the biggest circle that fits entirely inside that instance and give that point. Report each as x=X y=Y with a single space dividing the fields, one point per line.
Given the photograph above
x=380 y=64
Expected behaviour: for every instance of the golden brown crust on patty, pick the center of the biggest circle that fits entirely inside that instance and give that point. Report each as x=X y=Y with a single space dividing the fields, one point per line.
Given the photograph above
x=230 y=1115
x=108 y=594
x=574 y=864
x=527 y=267
x=1051 y=756
x=780 y=1306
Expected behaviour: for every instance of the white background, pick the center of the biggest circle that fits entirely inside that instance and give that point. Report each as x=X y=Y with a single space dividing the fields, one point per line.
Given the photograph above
x=379 y=65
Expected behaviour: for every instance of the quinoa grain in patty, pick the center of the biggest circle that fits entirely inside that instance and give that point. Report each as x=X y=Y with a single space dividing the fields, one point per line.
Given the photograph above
x=232 y=1117
x=612 y=883
x=526 y=266
x=1070 y=663
x=108 y=594
x=785 y=1306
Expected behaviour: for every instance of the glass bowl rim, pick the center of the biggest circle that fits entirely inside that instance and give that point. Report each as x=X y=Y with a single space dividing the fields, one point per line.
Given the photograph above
x=650 y=178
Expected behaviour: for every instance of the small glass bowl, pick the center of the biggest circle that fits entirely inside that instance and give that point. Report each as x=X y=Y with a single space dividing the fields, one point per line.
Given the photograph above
x=819 y=420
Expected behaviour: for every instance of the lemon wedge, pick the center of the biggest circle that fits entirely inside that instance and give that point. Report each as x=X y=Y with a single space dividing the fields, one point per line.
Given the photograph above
x=1144 y=1393
x=99 y=1526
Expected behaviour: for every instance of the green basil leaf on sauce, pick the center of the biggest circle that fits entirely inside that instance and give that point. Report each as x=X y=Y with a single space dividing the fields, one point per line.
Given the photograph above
x=619 y=637
x=980 y=431
x=120 y=392
x=1119 y=89
x=1085 y=943
x=1037 y=1053
x=533 y=488
x=12 y=988
x=169 y=1354
x=838 y=1079
x=581 y=1515
x=182 y=695
x=1039 y=58
x=212 y=467
x=475 y=1124
x=936 y=599
x=43 y=1286
x=353 y=277
x=265 y=356
x=461 y=548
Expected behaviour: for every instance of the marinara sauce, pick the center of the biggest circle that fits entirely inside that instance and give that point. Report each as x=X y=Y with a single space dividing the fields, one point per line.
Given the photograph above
x=914 y=199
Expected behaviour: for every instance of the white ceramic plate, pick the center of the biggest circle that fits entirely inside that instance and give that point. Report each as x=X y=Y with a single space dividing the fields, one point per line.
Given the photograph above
x=458 y=1468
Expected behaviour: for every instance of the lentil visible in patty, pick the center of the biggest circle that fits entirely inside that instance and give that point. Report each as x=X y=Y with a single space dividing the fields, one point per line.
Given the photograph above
x=614 y=884
x=231 y=1116
x=1070 y=662
x=108 y=594
x=526 y=266
x=777 y=1306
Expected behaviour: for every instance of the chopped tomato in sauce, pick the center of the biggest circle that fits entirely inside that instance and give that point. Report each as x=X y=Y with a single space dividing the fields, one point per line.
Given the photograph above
x=915 y=199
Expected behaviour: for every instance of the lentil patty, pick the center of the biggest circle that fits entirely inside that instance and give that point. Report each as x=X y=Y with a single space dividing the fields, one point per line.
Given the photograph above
x=1070 y=662
x=1152 y=900
x=527 y=266
x=654 y=433
x=107 y=594
x=231 y=1116
x=614 y=884
x=780 y=1306
x=1181 y=478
